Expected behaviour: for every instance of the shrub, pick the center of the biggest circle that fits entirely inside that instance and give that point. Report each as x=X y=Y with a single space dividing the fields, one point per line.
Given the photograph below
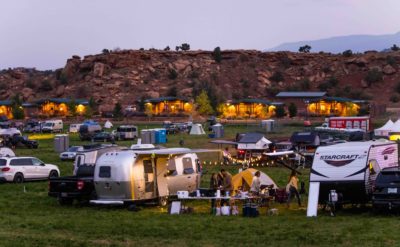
x=394 y=47
x=217 y=54
x=29 y=83
x=173 y=92
x=305 y=49
x=394 y=98
x=167 y=48
x=63 y=78
x=280 y=111
x=105 y=51
x=185 y=47
x=16 y=107
x=203 y=104
x=292 y=110
x=172 y=74
x=333 y=81
x=117 y=112
x=194 y=74
x=45 y=85
x=277 y=77
x=391 y=60
x=305 y=84
x=272 y=91
x=373 y=76
x=347 y=53
x=397 y=87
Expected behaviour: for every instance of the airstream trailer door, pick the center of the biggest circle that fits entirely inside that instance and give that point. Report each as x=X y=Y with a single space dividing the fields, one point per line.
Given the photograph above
x=189 y=173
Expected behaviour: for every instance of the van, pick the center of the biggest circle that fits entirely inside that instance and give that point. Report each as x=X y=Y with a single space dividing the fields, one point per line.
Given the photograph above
x=74 y=128
x=52 y=126
x=137 y=176
x=126 y=132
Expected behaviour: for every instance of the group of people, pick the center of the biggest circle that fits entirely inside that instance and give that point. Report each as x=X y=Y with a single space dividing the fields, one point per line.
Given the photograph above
x=223 y=181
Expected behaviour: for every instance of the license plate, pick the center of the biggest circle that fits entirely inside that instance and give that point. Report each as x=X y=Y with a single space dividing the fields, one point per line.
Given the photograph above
x=66 y=194
x=392 y=190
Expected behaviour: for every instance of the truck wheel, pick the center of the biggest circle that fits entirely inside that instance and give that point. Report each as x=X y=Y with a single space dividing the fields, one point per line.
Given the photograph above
x=163 y=201
x=53 y=174
x=18 y=178
x=65 y=201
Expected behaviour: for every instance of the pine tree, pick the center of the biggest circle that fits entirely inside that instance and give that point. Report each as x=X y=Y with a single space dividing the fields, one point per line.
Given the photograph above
x=203 y=104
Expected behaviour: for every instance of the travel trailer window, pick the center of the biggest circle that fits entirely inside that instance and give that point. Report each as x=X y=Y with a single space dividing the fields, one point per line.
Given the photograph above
x=187 y=166
x=171 y=168
x=105 y=172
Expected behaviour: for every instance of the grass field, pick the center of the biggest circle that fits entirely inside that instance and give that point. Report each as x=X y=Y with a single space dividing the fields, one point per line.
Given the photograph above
x=28 y=217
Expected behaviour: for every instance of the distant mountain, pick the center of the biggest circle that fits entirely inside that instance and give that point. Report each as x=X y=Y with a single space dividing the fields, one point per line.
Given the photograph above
x=356 y=43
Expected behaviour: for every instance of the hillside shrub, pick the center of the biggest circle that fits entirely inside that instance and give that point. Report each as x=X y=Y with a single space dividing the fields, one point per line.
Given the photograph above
x=347 y=53
x=373 y=76
x=277 y=77
x=172 y=74
x=394 y=98
x=216 y=54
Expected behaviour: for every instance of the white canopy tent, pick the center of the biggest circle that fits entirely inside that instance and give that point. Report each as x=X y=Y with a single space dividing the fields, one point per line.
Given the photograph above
x=108 y=125
x=253 y=141
x=385 y=129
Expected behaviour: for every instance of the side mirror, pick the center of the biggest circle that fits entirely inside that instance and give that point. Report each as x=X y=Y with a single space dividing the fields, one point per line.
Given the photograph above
x=42 y=164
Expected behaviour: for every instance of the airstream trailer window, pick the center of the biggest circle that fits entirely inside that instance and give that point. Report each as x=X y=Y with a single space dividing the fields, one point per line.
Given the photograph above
x=187 y=166
x=171 y=168
x=105 y=172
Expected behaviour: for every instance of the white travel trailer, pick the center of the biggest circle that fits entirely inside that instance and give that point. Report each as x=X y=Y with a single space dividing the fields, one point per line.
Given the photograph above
x=127 y=132
x=89 y=155
x=135 y=176
x=53 y=126
x=350 y=169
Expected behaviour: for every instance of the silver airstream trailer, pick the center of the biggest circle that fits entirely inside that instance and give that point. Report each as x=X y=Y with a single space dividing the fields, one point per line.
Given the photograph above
x=123 y=177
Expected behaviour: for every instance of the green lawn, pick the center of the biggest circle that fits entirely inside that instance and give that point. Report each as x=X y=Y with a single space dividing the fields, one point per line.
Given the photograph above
x=30 y=218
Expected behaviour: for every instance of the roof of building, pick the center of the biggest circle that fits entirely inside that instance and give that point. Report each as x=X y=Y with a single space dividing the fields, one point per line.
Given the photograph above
x=161 y=99
x=339 y=99
x=62 y=100
x=292 y=94
x=252 y=101
x=251 y=138
x=5 y=102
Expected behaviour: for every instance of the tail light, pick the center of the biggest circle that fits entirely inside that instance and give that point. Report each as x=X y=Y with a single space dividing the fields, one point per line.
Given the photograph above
x=80 y=185
x=5 y=169
x=241 y=151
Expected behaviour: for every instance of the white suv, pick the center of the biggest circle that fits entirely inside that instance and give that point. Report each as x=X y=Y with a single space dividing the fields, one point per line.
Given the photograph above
x=19 y=169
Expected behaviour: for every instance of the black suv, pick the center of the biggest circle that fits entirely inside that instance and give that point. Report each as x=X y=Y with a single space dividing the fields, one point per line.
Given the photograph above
x=387 y=189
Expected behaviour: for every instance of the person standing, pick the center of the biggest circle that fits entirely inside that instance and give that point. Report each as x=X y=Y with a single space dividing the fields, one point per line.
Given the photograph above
x=255 y=184
x=227 y=181
x=292 y=188
x=226 y=155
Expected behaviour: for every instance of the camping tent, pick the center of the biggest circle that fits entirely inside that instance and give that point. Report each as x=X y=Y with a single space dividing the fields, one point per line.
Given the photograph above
x=6 y=152
x=197 y=129
x=108 y=125
x=253 y=141
x=244 y=179
x=385 y=129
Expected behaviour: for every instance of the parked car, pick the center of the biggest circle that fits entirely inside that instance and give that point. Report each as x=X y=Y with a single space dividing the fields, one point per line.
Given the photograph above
x=17 y=141
x=104 y=137
x=33 y=126
x=70 y=154
x=88 y=130
x=387 y=189
x=20 y=169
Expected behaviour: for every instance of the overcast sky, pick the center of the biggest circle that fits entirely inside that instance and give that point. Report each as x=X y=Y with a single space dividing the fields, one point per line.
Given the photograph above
x=44 y=33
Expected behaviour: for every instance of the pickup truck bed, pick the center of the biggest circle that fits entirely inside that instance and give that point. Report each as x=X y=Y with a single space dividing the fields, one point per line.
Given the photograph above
x=69 y=188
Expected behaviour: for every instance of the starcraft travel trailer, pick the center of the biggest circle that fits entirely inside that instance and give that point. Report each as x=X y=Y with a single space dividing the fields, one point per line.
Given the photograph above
x=350 y=169
x=134 y=176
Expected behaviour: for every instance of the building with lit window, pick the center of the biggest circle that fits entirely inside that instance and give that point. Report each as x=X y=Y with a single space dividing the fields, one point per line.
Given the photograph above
x=59 y=106
x=248 y=108
x=5 y=109
x=168 y=105
x=319 y=104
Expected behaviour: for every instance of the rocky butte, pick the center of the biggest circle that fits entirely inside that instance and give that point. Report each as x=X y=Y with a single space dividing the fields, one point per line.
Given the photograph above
x=129 y=75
